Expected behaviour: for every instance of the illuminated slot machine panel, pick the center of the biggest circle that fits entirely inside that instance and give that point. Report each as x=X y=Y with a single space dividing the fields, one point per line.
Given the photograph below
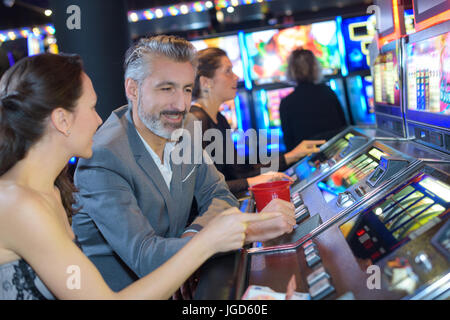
x=428 y=90
x=343 y=189
x=230 y=44
x=386 y=91
x=268 y=50
x=274 y=98
x=402 y=216
x=310 y=168
x=350 y=174
x=402 y=235
x=406 y=234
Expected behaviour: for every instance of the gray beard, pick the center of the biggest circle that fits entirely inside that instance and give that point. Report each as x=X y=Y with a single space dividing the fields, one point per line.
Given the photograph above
x=155 y=125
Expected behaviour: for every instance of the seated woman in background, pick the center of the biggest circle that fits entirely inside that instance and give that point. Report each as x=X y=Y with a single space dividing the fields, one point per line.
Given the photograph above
x=312 y=110
x=216 y=83
x=47 y=116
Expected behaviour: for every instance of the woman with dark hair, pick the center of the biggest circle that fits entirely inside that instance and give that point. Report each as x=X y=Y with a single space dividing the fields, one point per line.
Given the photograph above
x=312 y=110
x=47 y=116
x=216 y=83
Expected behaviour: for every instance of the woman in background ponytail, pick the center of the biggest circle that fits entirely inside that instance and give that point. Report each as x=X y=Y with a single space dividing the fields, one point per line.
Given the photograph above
x=47 y=116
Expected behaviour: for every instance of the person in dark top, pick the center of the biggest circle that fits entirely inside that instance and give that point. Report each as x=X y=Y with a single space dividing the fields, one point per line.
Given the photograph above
x=312 y=110
x=216 y=83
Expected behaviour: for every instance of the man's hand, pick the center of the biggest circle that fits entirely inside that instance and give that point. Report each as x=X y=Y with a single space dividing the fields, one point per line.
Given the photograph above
x=303 y=149
x=272 y=228
x=216 y=207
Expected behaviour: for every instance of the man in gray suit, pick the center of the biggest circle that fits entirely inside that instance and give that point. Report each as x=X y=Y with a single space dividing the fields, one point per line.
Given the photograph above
x=135 y=200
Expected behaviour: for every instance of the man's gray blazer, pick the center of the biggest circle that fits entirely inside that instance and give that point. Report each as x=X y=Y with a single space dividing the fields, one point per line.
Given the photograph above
x=130 y=223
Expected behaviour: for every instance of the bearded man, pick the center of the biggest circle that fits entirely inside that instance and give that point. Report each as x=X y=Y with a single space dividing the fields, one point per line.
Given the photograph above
x=134 y=200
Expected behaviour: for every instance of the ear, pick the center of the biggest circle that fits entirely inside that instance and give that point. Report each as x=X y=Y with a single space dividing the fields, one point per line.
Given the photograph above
x=62 y=120
x=205 y=83
x=132 y=90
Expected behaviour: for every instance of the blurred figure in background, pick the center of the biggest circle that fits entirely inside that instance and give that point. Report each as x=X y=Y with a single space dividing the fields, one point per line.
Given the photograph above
x=312 y=110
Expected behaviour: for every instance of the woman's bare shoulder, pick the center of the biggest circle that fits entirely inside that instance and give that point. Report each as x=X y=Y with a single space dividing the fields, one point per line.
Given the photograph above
x=16 y=200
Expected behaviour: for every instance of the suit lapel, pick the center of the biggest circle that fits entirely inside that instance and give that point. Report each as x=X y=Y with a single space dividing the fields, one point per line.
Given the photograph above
x=145 y=161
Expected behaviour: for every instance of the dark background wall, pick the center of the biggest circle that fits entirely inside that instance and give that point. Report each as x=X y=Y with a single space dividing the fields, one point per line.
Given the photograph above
x=101 y=41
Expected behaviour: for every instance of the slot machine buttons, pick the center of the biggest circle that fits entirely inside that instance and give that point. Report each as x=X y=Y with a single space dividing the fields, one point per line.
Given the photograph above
x=345 y=199
x=296 y=200
x=423 y=260
x=360 y=191
x=301 y=213
x=311 y=249
x=300 y=208
x=312 y=259
x=307 y=244
x=317 y=275
x=321 y=289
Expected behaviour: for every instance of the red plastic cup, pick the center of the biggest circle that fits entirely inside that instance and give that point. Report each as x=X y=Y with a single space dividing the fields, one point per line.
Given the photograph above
x=266 y=192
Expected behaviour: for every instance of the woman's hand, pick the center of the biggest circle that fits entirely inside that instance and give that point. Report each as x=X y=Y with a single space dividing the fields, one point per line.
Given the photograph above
x=268 y=177
x=226 y=232
x=303 y=149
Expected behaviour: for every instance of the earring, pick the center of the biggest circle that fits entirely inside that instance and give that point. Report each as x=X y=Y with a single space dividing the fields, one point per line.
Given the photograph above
x=68 y=133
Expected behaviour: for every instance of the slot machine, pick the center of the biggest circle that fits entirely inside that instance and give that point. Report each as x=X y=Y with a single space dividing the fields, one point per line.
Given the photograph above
x=267 y=54
x=378 y=224
x=402 y=233
x=358 y=33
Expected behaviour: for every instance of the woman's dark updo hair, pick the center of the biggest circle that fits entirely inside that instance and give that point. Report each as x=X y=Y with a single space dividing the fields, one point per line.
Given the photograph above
x=29 y=92
x=209 y=60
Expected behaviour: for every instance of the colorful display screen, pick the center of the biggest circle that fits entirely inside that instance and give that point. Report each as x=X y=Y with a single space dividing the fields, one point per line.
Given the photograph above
x=316 y=161
x=428 y=75
x=386 y=79
x=273 y=104
x=228 y=110
x=360 y=94
x=269 y=50
x=400 y=216
x=409 y=21
x=230 y=44
x=358 y=33
x=350 y=174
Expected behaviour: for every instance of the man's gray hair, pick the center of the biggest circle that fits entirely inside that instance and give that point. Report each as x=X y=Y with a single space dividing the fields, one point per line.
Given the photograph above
x=138 y=58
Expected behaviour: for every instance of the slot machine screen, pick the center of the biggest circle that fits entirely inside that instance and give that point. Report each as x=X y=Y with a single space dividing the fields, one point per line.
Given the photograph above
x=350 y=174
x=399 y=217
x=228 y=110
x=236 y=111
x=360 y=94
x=273 y=104
x=428 y=75
x=386 y=79
x=358 y=33
x=409 y=21
x=230 y=44
x=269 y=50
x=321 y=159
